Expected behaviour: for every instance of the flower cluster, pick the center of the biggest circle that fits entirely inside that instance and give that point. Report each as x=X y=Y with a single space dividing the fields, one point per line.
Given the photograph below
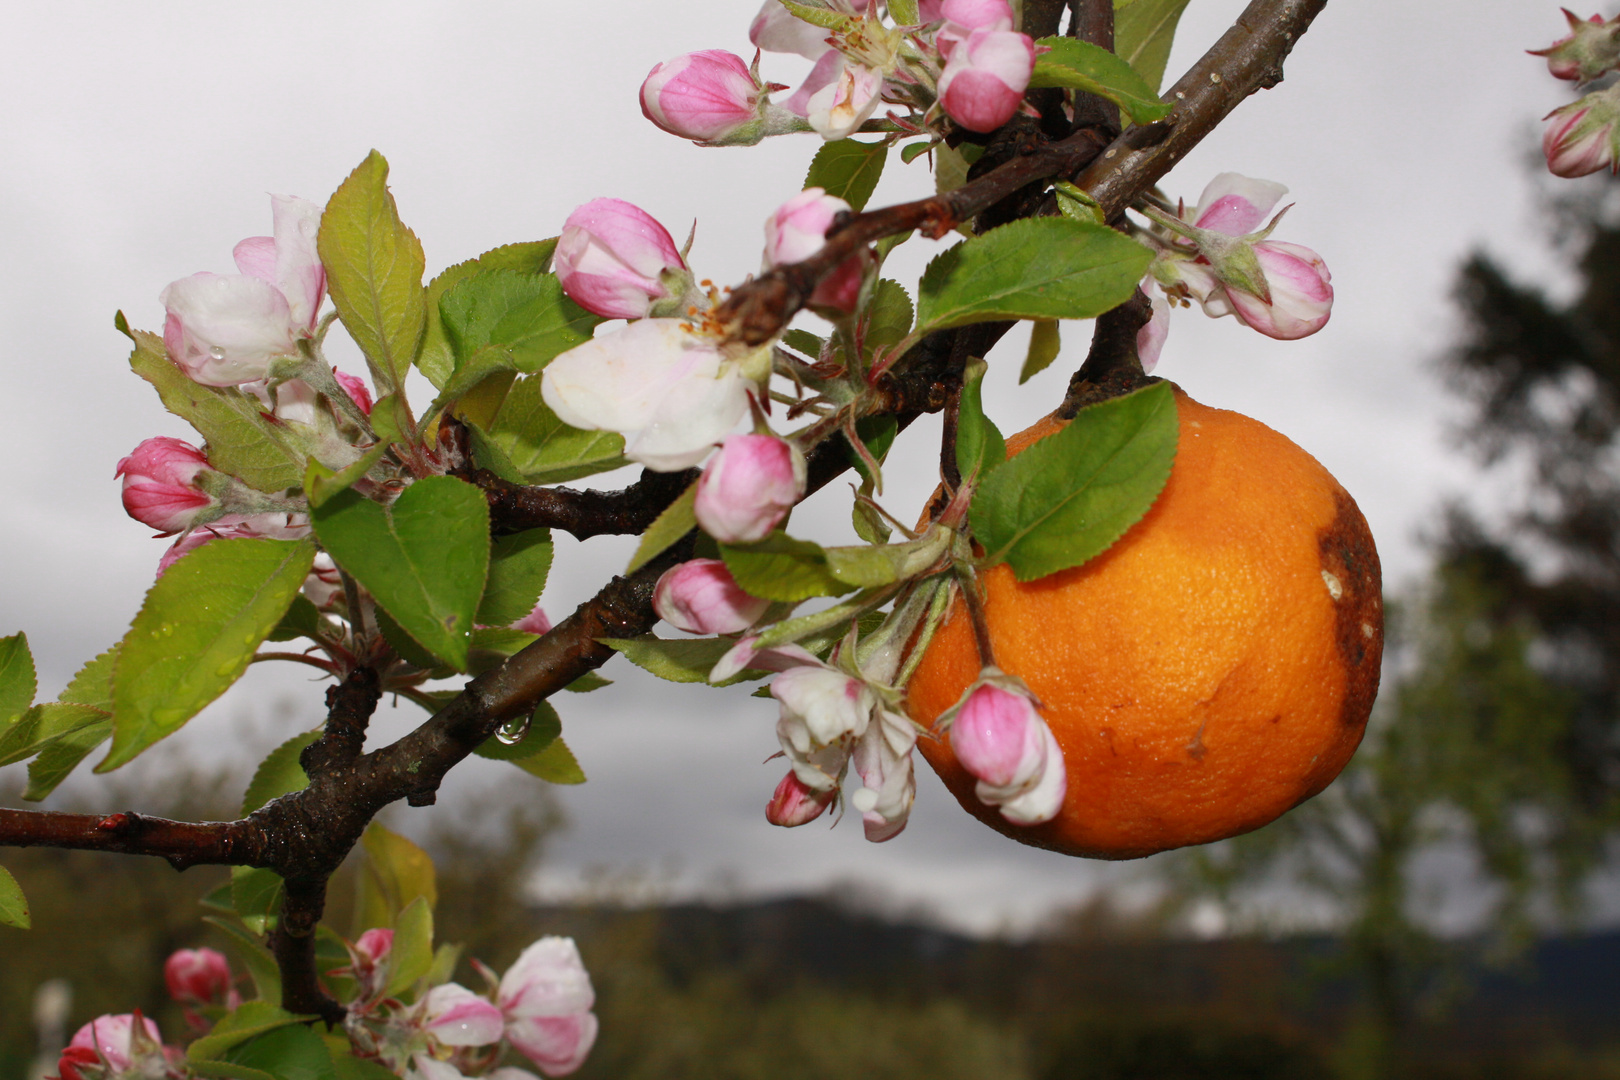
x=254 y=333
x=1584 y=136
x=1218 y=254
x=964 y=60
x=541 y=1009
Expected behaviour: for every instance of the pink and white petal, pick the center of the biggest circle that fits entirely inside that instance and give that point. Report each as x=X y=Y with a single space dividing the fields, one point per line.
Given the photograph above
x=1235 y=204
x=696 y=414
x=299 y=273
x=1150 y=339
x=547 y=979
x=224 y=328
x=776 y=29
x=458 y=1017
x=620 y=381
x=557 y=1044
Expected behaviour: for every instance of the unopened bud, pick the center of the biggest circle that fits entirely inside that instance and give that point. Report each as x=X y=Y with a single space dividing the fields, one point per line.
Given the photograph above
x=793 y=803
x=198 y=977
x=999 y=737
x=1582 y=136
x=798 y=230
x=984 y=81
x=1591 y=49
x=748 y=487
x=701 y=597
x=615 y=260
x=161 y=485
x=712 y=98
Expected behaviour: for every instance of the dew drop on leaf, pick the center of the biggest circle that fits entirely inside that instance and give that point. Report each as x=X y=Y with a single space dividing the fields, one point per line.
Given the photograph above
x=511 y=733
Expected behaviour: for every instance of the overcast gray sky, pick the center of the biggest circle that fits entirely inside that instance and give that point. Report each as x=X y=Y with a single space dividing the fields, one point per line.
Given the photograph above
x=142 y=139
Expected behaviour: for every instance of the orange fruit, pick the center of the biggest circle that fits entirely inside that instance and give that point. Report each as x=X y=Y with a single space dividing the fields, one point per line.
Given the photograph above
x=1211 y=670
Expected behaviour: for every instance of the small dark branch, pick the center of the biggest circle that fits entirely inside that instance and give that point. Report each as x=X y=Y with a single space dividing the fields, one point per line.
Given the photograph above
x=758 y=310
x=583 y=514
x=292 y=942
x=1093 y=22
x=1248 y=57
x=1043 y=18
x=183 y=843
x=349 y=706
x=974 y=601
x=1112 y=366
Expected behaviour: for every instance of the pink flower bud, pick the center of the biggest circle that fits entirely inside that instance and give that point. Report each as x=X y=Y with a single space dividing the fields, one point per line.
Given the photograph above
x=612 y=257
x=798 y=230
x=160 y=485
x=748 y=487
x=115 y=1039
x=701 y=597
x=1301 y=296
x=198 y=977
x=546 y=997
x=356 y=388
x=1582 y=136
x=983 y=82
x=374 y=945
x=962 y=17
x=709 y=97
x=1592 y=48
x=1000 y=738
x=795 y=804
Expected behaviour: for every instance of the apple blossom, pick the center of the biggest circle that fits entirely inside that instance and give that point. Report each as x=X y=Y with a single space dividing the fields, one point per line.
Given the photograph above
x=198 y=977
x=1301 y=294
x=882 y=759
x=999 y=737
x=1150 y=339
x=614 y=259
x=701 y=597
x=225 y=329
x=838 y=96
x=546 y=998
x=1584 y=136
x=984 y=80
x=962 y=17
x=1235 y=204
x=272 y=526
x=455 y=1016
x=714 y=99
x=117 y=1041
x=776 y=29
x=163 y=485
x=663 y=383
x=1591 y=49
x=535 y=622
x=748 y=487
x=798 y=229
x=795 y=804
x=823 y=711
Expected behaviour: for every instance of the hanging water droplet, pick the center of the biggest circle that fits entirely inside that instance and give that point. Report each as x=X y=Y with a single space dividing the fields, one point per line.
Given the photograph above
x=217 y=352
x=512 y=732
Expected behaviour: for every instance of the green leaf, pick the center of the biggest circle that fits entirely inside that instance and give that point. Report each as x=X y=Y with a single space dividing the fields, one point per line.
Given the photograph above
x=1044 y=344
x=93 y=684
x=278 y=774
x=888 y=316
x=683 y=660
x=1144 y=30
x=848 y=169
x=587 y=682
x=912 y=151
x=349 y=1067
x=374 y=270
x=541 y=448
x=321 y=483
x=227 y=1070
x=803 y=341
x=406 y=646
x=878 y=433
x=13 y=904
x=254 y=956
x=817 y=14
x=248 y=1021
x=979 y=445
x=196 y=634
x=555 y=764
x=303 y=619
x=1037 y=268
x=435 y=359
x=45 y=725
x=424 y=559
x=17 y=681
x=904 y=12
x=256 y=895
x=1072 y=494
x=518 y=566
x=1080 y=65
x=502 y=320
x=263 y=455
x=677 y=519
x=412 y=952
x=543 y=728
x=780 y=567
x=396 y=873
x=290 y=1052
x=61 y=757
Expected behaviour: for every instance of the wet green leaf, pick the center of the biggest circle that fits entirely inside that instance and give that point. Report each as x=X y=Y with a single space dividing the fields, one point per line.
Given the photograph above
x=848 y=169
